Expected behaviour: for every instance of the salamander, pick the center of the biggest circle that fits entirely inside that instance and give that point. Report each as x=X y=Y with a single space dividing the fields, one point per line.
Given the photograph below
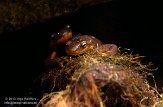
x=57 y=43
x=80 y=44
x=76 y=45
x=61 y=37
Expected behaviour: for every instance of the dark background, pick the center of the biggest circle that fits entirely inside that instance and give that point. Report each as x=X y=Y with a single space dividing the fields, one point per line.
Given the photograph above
x=133 y=25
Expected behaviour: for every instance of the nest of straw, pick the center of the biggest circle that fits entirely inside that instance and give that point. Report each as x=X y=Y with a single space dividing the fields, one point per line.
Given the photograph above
x=101 y=80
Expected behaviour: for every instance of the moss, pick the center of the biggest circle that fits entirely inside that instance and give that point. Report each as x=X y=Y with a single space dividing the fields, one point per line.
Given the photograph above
x=100 y=80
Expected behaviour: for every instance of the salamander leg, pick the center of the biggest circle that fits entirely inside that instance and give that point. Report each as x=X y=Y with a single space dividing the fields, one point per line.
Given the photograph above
x=111 y=49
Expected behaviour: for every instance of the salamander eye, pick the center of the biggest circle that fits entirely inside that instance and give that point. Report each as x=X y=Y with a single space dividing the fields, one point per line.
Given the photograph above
x=83 y=44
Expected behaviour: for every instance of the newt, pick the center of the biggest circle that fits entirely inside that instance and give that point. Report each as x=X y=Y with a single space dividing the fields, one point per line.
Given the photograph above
x=80 y=44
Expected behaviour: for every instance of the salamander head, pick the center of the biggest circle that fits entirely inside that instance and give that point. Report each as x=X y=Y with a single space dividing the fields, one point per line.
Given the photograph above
x=81 y=44
x=63 y=35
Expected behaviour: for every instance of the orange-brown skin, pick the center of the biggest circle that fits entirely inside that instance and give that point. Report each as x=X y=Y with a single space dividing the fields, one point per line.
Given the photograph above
x=110 y=49
x=77 y=45
x=83 y=43
x=59 y=39
x=64 y=35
